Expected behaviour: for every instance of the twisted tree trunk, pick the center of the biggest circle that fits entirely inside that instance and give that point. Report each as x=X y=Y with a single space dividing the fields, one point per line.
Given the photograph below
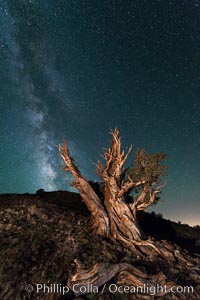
x=123 y=224
x=100 y=218
x=113 y=218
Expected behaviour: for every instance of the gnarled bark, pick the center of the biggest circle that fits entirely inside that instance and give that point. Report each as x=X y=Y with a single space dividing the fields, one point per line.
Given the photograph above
x=115 y=218
x=90 y=198
x=90 y=280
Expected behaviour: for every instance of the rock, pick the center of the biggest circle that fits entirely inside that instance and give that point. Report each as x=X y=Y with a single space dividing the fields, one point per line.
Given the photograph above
x=168 y=254
x=40 y=213
x=169 y=246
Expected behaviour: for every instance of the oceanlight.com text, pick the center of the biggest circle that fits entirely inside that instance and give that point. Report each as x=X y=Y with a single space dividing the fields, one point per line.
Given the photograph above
x=112 y=288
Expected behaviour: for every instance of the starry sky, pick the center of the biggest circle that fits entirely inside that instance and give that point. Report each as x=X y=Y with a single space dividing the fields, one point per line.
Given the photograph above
x=74 y=69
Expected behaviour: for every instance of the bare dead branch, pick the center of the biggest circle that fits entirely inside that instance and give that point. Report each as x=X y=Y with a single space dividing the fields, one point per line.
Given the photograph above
x=129 y=184
x=92 y=201
x=141 y=204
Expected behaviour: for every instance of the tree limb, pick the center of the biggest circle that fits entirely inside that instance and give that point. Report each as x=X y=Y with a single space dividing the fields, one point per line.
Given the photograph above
x=115 y=159
x=140 y=203
x=129 y=184
x=92 y=201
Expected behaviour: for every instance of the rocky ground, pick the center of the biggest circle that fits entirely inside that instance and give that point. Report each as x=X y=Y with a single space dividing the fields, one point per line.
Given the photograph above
x=42 y=234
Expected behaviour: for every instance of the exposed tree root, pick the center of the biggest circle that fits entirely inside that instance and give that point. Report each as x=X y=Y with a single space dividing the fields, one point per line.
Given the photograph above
x=87 y=280
x=150 y=244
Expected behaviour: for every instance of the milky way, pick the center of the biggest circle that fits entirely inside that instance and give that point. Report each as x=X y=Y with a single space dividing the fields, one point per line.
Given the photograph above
x=75 y=69
x=37 y=117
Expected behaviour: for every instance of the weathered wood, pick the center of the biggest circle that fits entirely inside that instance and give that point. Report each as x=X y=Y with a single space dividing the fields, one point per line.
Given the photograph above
x=90 y=198
x=114 y=218
x=87 y=280
x=123 y=225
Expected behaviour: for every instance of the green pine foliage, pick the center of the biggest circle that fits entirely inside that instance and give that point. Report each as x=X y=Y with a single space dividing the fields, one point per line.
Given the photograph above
x=148 y=167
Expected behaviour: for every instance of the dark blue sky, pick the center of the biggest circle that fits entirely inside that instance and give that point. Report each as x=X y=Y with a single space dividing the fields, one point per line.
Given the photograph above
x=75 y=69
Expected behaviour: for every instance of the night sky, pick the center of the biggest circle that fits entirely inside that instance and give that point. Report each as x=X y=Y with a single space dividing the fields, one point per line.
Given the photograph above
x=74 y=69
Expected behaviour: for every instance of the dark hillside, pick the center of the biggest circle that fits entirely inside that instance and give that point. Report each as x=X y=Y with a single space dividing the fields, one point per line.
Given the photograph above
x=42 y=234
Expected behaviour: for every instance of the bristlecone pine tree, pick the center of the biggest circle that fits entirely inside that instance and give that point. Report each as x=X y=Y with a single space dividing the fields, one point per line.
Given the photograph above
x=115 y=217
